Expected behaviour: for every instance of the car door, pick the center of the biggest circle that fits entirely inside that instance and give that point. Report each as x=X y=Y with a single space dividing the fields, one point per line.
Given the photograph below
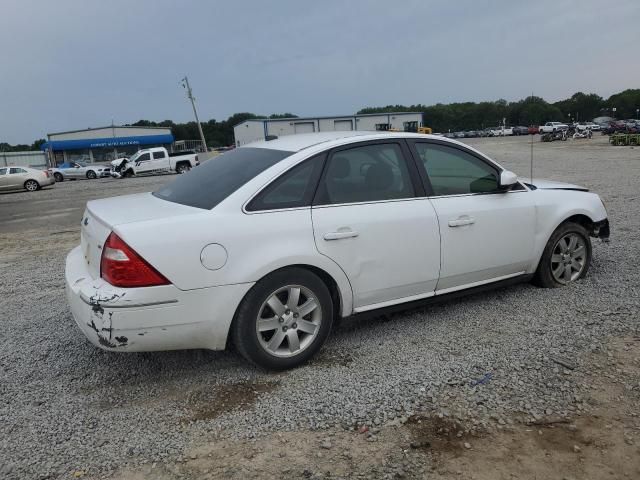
x=16 y=178
x=371 y=217
x=160 y=160
x=4 y=178
x=486 y=234
x=143 y=163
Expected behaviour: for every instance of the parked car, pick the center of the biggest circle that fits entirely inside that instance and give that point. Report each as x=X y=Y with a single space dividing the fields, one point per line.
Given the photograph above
x=153 y=161
x=272 y=242
x=501 y=131
x=533 y=130
x=551 y=127
x=521 y=130
x=77 y=170
x=24 y=178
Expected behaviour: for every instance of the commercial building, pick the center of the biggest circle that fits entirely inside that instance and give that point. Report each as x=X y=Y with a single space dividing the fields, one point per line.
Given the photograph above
x=103 y=144
x=262 y=128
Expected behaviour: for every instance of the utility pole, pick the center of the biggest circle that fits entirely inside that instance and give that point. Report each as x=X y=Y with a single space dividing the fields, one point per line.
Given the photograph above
x=185 y=84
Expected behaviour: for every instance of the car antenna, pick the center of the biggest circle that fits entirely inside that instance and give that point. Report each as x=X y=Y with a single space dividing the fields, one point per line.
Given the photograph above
x=531 y=161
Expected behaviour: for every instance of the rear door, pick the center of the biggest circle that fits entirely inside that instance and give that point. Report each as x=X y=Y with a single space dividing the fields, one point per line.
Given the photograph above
x=4 y=178
x=370 y=216
x=487 y=234
x=160 y=160
x=17 y=177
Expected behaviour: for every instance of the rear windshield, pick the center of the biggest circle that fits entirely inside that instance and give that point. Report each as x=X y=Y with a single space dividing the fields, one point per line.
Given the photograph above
x=213 y=181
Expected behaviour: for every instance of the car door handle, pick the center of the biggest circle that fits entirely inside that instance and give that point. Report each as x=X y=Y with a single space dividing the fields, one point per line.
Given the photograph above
x=460 y=222
x=340 y=235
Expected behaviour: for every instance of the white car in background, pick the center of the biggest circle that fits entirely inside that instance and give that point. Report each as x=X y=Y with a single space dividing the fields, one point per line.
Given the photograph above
x=501 y=131
x=272 y=242
x=24 y=178
x=551 y=127
x=79 y=170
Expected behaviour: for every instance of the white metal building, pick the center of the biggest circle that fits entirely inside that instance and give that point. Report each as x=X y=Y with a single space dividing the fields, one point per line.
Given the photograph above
x=261 y=128
x=35 y=159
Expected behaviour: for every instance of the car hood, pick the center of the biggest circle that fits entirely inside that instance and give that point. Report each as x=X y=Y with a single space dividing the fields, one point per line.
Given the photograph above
x=553 y=185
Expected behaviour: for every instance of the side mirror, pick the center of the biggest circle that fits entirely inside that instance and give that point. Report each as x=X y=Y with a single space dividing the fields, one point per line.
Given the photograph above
x=507 y=180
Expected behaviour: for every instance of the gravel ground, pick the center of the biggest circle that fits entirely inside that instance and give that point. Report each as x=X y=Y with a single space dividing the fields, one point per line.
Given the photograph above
x=66 y=406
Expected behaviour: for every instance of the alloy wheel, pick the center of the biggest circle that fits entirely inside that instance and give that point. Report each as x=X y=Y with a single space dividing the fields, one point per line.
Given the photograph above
x=31 y=185
x=568 y=258
x=288 y=321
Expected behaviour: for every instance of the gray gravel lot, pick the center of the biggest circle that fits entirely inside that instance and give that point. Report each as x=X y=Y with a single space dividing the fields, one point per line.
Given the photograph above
x=67 y=406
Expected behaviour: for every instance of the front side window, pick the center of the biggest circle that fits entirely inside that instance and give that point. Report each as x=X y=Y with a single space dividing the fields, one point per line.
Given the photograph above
x=454 y=172
x=366 y=174
x=143 y=158
x=293 y=189
x=215 y=180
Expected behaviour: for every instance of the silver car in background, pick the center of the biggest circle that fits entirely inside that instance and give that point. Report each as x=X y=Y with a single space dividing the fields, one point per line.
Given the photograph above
x=24 y=178
x=77 y=170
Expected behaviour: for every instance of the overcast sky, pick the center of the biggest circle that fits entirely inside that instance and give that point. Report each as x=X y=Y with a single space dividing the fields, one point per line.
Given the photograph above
x=72 y=64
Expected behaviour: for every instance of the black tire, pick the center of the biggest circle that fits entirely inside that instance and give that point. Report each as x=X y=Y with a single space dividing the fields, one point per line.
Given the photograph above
x=183 y=167
x=31 y=185
x=544 y=276
x=58 y=177
x=91 y=175
x=127 y=174
x=243 y=329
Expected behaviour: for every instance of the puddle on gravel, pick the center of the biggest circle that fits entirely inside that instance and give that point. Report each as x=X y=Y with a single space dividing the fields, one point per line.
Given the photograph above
x=221 y=399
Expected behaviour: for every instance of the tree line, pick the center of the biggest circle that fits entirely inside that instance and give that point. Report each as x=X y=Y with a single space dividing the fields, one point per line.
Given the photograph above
x=441 y=117
x=529 y=111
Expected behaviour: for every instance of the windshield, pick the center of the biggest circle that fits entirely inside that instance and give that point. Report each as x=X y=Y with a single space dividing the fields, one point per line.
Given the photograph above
x=213 y=181
x=135 y=156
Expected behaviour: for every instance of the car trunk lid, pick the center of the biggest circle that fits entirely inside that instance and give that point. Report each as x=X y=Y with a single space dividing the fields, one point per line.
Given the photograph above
x=102 y=216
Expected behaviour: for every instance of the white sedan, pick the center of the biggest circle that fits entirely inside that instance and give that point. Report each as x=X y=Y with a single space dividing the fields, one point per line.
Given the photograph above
x=267 y=245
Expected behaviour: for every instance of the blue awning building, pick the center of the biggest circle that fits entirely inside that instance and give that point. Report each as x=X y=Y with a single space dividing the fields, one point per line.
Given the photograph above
x=100 y=145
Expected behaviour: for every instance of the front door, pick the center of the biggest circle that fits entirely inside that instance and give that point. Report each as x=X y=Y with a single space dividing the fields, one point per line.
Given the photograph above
x=371 y=217
x=487 y=234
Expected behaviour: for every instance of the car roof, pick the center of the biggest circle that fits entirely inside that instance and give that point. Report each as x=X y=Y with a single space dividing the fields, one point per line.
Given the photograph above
x=301 y=141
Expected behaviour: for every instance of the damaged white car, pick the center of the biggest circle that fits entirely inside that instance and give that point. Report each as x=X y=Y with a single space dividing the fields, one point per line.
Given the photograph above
x=268 y=245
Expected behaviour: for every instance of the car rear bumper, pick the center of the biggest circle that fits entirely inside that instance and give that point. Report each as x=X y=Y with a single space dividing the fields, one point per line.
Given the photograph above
x=149 y=319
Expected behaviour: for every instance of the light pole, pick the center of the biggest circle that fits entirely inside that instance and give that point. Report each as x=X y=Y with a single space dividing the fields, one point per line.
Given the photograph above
x=185 y=84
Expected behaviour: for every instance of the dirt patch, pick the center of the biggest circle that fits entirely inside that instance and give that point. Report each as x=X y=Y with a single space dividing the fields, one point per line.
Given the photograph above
x=602 y=445
x=211 y=403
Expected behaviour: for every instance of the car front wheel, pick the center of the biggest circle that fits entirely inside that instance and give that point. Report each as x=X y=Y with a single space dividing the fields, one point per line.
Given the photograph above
x=284 y=319
x=566 y=256
x=91 y=175
x=58 y=176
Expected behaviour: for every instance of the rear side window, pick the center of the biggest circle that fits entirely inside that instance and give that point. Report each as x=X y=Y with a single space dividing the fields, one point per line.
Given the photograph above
x=158 y=155
x=17 y=170
x=213 y=181
x=3 y=171
x=366 y=174
x=293 y=189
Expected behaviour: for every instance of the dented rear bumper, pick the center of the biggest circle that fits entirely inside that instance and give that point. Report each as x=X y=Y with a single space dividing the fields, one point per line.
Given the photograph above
x=152 y=318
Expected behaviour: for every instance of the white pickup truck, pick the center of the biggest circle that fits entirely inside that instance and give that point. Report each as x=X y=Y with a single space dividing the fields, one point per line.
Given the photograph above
x=551 y=127
x=152 y=161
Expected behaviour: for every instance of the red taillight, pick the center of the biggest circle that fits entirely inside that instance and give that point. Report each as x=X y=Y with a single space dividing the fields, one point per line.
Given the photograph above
x=121 y=266
x=46 y=173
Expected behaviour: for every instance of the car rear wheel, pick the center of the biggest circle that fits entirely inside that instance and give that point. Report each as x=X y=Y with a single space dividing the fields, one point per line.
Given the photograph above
x=183 y=168
x=284 y=319
x=566 y=257
x=31 y=185
x=58 y=177
x=91 y=175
